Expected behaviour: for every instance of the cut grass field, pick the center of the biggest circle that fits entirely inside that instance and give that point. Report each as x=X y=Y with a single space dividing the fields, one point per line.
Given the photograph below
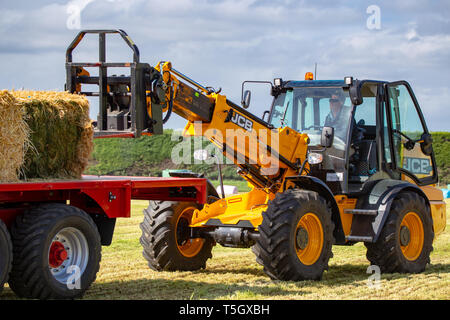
x=234 y=274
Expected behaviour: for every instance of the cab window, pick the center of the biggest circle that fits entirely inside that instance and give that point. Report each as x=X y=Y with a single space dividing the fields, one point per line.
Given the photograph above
x=407 y=130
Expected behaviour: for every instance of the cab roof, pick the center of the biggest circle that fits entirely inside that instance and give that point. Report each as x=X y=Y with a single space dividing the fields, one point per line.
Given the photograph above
x=321 y=83
x=315 y=83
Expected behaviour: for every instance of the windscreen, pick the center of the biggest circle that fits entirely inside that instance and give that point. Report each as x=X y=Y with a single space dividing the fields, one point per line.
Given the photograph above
x=308 y=110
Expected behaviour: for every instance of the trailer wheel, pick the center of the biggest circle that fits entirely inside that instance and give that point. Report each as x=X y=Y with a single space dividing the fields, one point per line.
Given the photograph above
x=296 y=236
x=406 y=239
x=57 y=252
x=6 y=254
x=166 y=240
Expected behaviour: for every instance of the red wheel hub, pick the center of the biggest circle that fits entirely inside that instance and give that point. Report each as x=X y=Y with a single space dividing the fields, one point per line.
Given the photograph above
x=57 y=254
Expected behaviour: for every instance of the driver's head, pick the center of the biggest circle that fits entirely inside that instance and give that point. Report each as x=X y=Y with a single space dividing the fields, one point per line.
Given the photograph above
x=337 y=100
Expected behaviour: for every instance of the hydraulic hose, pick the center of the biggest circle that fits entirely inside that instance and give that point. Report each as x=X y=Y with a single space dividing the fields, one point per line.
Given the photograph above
x=169 y=110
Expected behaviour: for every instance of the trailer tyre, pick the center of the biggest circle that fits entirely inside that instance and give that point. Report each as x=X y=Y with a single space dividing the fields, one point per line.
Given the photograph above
x=296 y=236
x=57 y=252
x=6 y=254
x=166 y=240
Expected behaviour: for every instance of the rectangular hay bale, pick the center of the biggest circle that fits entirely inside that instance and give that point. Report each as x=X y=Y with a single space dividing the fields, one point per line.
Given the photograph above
x=14 y=137
x=59 y=134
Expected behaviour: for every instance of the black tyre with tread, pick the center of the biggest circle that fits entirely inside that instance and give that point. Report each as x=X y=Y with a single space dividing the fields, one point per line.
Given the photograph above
x=386 y=252
x=32 y=234
x=276 y=249
x=159 y=238
x=6 y=254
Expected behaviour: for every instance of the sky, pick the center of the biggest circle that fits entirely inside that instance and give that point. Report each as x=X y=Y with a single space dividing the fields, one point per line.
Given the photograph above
x=221 y=43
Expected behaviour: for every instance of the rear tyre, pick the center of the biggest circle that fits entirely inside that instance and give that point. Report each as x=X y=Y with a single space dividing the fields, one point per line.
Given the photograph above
x=166 y=238
x=296 y=236
x=57 y=252
x=405 y=242
x=6 y=254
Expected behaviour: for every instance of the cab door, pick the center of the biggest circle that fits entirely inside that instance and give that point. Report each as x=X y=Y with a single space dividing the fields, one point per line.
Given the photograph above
x=410 y=149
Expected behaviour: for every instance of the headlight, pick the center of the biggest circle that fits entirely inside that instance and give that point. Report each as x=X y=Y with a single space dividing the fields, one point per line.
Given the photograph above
x=315 y=158
x=348 y=80
x=277 y=82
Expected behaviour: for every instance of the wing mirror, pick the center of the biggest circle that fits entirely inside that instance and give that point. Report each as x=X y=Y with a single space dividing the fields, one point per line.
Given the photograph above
x=326 y=139
x=355 y=92
x=246 y=99
x=427 y=144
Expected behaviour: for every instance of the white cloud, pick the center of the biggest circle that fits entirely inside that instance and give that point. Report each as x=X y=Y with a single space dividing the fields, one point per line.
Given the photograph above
x=435 y=105
x=222 y=43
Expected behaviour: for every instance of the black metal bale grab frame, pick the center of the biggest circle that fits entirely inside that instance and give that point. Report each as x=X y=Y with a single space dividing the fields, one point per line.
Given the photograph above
x=139 y=83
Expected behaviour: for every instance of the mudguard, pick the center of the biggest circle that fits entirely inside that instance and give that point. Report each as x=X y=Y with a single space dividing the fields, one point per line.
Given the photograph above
x=315 y=184
x=379 y=195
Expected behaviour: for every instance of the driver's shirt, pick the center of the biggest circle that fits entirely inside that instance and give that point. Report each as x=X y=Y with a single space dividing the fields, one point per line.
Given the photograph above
x=340 y=122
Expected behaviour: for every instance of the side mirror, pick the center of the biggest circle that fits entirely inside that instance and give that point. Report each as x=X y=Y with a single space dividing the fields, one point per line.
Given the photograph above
x=246 y=99
x=326 y=140
x=264 y=114
x=355 y=93
x=427 y=144
x=201 y=154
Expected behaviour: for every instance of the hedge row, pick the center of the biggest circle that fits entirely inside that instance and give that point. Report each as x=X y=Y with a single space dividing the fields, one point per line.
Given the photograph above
x=150 y=155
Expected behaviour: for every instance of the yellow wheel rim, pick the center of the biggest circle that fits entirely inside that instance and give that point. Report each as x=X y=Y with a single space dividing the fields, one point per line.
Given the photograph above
x=187 y=247
x=411 y=236
x=308 y=239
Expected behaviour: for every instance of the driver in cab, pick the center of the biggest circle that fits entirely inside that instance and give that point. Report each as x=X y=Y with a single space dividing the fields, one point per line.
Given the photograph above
x=338 y=115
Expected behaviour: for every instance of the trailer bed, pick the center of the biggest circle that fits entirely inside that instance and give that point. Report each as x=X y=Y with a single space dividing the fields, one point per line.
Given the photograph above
x=107 y=195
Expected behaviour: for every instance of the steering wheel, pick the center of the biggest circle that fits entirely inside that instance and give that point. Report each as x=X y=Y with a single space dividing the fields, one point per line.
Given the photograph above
x=277 y=113
x=313 y=126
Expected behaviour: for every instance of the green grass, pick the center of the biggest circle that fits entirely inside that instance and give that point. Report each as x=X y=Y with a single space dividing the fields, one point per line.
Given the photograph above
x=234 y=274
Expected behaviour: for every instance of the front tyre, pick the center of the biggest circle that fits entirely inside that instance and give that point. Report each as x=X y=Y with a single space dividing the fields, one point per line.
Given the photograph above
x=296 y=236
x=57 y=252
x=166 y=238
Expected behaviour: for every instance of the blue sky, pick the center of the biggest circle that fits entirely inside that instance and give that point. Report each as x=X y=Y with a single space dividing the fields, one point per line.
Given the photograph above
x=221 y=43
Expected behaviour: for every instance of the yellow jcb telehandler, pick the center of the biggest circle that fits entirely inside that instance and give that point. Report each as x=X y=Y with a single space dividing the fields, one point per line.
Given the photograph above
x=330 y=162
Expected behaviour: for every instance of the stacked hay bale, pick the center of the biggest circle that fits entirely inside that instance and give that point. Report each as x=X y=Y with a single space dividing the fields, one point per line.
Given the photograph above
x=14 y=137
x=49 y=133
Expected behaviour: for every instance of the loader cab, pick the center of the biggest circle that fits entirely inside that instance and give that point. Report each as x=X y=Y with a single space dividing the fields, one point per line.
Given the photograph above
x=379 y=131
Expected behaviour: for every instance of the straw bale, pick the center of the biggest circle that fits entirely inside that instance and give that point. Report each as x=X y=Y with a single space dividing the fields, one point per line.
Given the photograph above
x=14 y=137
x=59 y=131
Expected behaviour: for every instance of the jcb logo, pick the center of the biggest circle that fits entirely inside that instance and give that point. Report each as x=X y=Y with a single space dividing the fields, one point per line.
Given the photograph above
x=240 y=120
x=417 y=165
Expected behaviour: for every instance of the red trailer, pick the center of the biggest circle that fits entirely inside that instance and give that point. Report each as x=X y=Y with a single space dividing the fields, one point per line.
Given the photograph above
x=51 y=232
